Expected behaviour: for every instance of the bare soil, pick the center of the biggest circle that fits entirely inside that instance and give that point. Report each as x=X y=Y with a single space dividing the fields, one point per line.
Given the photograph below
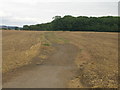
x=55 y=72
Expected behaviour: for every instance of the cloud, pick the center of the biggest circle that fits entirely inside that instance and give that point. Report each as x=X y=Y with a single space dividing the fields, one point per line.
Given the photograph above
x=20 y=12
x=18 y=20
x=37 y=1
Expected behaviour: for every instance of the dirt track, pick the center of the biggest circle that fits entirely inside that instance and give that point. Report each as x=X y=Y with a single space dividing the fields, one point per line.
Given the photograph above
x=54 y=73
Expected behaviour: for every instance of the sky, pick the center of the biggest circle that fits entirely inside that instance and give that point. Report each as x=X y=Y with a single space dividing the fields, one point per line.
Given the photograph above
x=27 y=12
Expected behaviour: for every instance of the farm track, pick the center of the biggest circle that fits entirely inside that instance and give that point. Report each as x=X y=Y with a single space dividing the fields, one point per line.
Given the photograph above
x=55 y=72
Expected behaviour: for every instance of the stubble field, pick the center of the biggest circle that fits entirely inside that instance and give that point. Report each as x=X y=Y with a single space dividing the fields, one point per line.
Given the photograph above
x=85 y=59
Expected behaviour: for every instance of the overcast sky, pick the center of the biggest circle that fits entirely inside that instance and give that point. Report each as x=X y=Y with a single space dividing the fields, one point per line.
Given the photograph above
x=22 y=12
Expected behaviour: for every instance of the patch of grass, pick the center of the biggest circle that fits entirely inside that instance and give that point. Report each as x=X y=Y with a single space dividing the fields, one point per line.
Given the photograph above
x=53 y=38
x=64 y=40
x=46 y=44
x=43 y=56
x=81 y=49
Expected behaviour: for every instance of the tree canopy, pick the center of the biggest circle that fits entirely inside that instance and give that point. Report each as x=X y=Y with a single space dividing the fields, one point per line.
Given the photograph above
x=80 y=23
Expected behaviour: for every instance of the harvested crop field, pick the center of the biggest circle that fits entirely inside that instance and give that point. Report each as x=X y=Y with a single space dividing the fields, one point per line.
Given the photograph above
x=66 y=59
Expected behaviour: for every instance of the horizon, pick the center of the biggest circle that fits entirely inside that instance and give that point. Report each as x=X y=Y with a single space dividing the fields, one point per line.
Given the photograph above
x=49 y=22
x=19 y=13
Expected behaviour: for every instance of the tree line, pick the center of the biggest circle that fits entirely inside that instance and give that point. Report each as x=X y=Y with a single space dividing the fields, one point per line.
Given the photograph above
x=80 y=23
